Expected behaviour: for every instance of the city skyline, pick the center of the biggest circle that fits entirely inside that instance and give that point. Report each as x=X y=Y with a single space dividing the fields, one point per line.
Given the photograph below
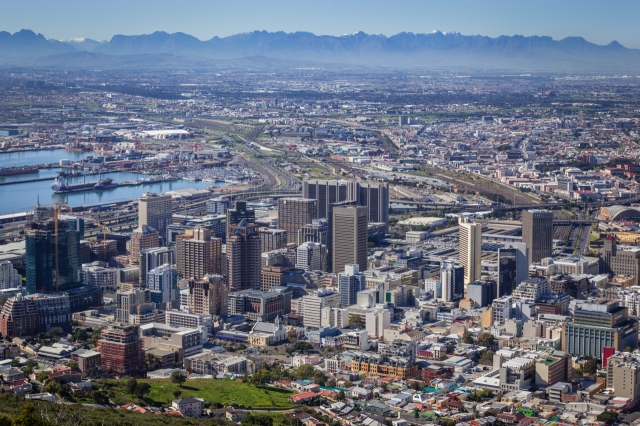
x=597 y=22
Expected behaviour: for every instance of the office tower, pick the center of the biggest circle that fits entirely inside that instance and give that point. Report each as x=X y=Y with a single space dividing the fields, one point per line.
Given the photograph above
x=258 y=305
x=598 y=325
x=120 y=350
x=272 y=239
x=350 y=282
x=623 y=376
x=142 y=238
x=312 y=305
x=74 y=222
x=239 y=213
x=198 y=254
x=208 y=295
x=537 y=234
x=9 y=277
x=152 y=258
x=52 y=262
x=218 y=206
x=532 y=290
x=272 y=276
x=312 y=257
x=155 y=210
x=482 y=292
x=315 y=232
x=294 y=213
x=375 y=196
x=470 y=249
x=349 y=237
x=329 y=192
x=507 y=271
x=162 y=281
x=522 y=265
x=128 y=302
x=619 y=260
x=453 y=280
x=243 y=256
x=403 y=120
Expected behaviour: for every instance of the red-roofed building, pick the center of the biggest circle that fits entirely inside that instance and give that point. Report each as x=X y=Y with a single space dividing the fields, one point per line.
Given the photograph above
x=303 y=397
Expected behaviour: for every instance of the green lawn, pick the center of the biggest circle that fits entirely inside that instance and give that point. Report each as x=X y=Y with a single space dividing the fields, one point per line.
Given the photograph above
x=224 y=391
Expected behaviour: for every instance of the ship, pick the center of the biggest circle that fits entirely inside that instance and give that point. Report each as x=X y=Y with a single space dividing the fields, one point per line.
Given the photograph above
x=61 y=186
x=12 y=171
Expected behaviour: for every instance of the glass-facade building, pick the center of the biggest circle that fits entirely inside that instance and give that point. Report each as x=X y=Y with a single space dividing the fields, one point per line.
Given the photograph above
x=507 y=271
x=40 y=258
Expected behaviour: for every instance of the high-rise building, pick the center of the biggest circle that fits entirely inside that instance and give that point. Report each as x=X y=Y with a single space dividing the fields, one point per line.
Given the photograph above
x=155 y=210
x=620 y=260
x=9 y=277
x=312 y=305
x=374 y=196
x=144 y=237
x=482 y=292
x=598 y=325
x=120 y=350
x=244 y=257
x=329 y=192
x=272 y=276
x=312 y=257
x=349 y=237
x=162 y=281
x=23 y=316
x=218 y=205
x=350 y=282
x=152 y=258
x=97 y=276
x=623 y=376
x=470 y=250
x=52 y=262
x=239 y=213
x=507 y=271
x=272 y=239
x=198 y=254
x=315 y=232
x=294 y=213
x=532 y=290
x=452 y=278
x=537 y=234
x=132 y=304
x=259 y=305
x=208 y=295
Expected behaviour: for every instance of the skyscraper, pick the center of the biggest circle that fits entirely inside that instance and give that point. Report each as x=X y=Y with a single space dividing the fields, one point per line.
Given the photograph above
x=244 y=257
x=315 y=232
x=272 y=239
x=470 y=249
x=155 y=210
x=537 y=234
x=482 y=292
x=507 y=271
x=452 y=278
x=198 y=253
x=144 y=237
x=208 y=295
x=350 y=282
x=312 y=257
x=294 y=213
x=152 y=258
x=374 y=196
x=9 y=277
x=162 y=281
x=328 y=192
x=349 y=237
x=239 y=213
x=49 y=263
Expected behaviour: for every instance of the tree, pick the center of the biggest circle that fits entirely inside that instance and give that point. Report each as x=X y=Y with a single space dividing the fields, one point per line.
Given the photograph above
x=575 y=373
x=356 y=321
x=130 y=386
x=417 y=386
x=486 y=339
x=42 y=376
x=4 y=420
x=348 y=384
x=80 y=334
x=331 y=383
x=152 y=362
x=486 y=358
x=590 y=366
x=178 y=377
x=305 y=372
x=467 y=338
x=628 y=349
x=341 y=396
x=255 y=419
x=29 y=416
x=319 y=378
x=53 y=387
x=260 y=377
x=73 y=366
x=100 y=397
x=608 y=416
x=142 y=389
x=177 y=393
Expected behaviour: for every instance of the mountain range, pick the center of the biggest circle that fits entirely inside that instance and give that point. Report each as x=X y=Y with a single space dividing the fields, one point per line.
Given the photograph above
x=435 y=50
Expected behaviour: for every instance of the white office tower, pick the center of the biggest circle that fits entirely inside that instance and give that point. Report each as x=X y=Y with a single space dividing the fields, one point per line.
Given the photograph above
x=350 y=282
x=312 y=257
x=156 y=211
x=470 y=250
x=163 y=283
x=9 y=277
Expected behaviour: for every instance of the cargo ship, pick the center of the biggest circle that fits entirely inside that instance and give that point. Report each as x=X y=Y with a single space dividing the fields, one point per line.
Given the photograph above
x=12 y=171
x=61 y=186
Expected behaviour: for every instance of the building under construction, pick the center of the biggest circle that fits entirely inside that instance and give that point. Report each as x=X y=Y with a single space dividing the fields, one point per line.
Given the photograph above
x=121 y=350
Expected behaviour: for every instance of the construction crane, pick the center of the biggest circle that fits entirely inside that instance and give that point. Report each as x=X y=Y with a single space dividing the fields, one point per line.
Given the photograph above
x=56 y=214
x=104 y=240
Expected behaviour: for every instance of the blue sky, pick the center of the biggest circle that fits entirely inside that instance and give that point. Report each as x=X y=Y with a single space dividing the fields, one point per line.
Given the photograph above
x=598 y=21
